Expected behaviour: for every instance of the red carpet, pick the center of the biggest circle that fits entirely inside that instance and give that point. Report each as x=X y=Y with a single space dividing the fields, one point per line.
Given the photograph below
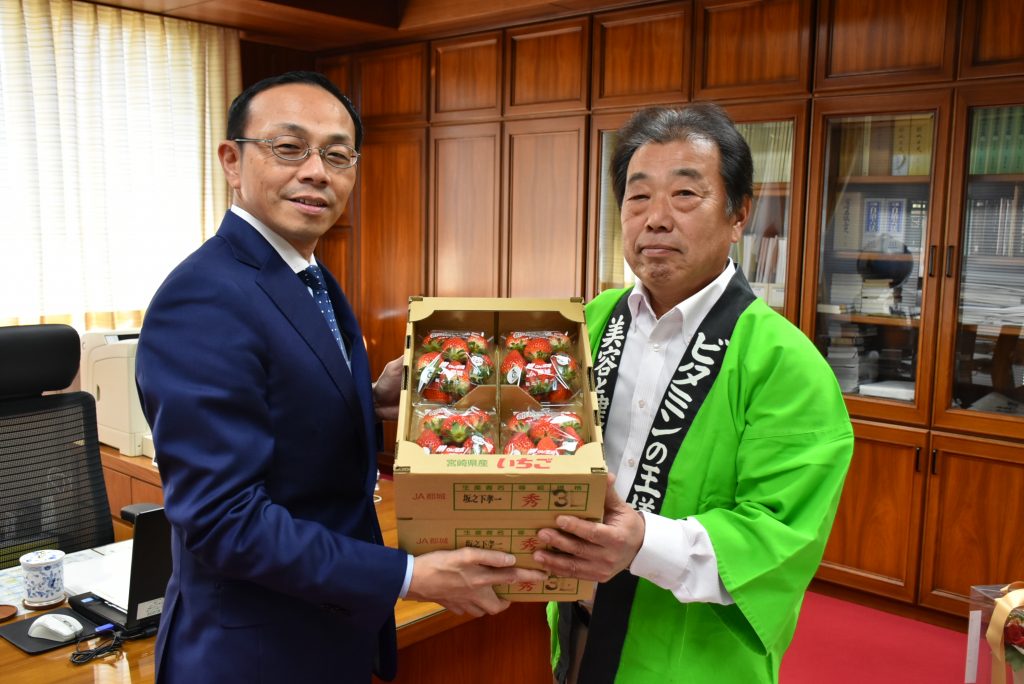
x=838 y=642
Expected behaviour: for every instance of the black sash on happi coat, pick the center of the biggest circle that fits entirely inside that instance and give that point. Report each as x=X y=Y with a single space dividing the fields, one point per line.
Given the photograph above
x=683 y=398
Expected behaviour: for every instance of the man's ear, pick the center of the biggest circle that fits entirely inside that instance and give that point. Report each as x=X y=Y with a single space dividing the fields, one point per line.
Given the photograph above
x=740 y=217
x=230 y=155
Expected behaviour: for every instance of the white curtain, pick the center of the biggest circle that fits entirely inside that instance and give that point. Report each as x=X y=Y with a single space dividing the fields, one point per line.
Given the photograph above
x=109 y=124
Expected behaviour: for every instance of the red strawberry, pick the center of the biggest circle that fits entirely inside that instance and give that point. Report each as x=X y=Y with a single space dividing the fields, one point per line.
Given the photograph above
x=520 y=444
x=512 y=367
x=516 y=341
x=560 y=394
x=429 y=441
x=567 y=419
x=546 y=445
x=426 y=368
x=455 y=380
x=478 y=444
x=519 y=422
x=560 y=342
x=543 y=429
x=478 y=344
x=432 y=421
x=476 y=420
x=570 y=435
x=455 y=349
x=433 y=393
x=481 y=368
x=539 y=379
x=454 y=430
x=432 y=342
x=537 y=349
x=565 y=367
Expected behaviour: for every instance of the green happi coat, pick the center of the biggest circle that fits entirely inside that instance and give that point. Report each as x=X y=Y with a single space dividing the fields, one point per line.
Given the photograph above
x=761 y=468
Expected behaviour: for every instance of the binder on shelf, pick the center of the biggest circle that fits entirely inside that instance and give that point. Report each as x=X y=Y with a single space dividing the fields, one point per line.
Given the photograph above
x=849 y=225
x=880 y=151
x=901 y=146
x=920 y=163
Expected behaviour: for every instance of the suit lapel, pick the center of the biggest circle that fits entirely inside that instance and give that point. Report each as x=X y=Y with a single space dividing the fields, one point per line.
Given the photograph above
x=294 y=302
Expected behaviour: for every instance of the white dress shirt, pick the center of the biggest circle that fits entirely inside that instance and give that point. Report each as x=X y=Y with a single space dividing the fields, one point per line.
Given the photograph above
x=676 y=555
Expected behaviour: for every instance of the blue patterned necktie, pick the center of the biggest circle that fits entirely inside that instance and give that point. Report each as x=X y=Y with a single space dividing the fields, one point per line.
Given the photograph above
x=314 y=280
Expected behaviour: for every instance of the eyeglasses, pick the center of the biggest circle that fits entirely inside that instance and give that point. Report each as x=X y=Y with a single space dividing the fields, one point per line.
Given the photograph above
x=294 y=148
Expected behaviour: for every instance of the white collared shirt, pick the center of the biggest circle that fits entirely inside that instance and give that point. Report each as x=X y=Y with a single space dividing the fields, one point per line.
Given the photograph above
x=676 y=555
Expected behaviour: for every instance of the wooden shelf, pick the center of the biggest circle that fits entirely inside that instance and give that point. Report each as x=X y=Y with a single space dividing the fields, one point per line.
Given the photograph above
x=884 y=180
x=891 y=321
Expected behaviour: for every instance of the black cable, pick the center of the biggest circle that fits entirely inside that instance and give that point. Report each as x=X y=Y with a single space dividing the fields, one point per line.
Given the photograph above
x=112 y=645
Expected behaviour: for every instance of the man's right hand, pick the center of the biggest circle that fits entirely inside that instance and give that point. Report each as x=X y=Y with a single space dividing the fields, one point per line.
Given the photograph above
x=463 y=580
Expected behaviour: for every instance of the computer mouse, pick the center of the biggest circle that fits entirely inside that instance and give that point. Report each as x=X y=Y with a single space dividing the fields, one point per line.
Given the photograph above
x=55 y=627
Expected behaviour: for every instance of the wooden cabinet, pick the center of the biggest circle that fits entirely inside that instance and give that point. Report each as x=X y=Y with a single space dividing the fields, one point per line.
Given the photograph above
x=543 y=207
x=129 y=480
x=642 y=56
x=466 y=78
x=974 y=519
x=875 y=540
x=870 y=288
x=465 y=226
x=990 y=44
x=874 y=43
x=752 y=49
x=391 y=84
x=546 y=67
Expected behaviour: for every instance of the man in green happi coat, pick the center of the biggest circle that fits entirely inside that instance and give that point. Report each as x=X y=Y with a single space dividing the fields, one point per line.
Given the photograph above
x=724 y=427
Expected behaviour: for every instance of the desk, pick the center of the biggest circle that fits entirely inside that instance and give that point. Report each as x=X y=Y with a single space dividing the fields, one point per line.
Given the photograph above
x=435 y=646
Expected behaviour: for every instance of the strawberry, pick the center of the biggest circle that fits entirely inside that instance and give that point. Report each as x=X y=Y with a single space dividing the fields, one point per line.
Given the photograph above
x=429 y=441
x=546 y=445
x=516 y=341
x=543 y=429
x=520 y=444
x=455 y=349
x=476 y=420
x=567 y=419
x=519 y=422
x=478 y=444
x=455 y=380
x=434 y=394
x=432 y=421
x=481 y=368
x=478 y=344
x=539 y=379
x=454 y=430
x=512 y=367
x=426 y=368
x=570 y=435
x=560 y=394
x=565 y=367
x=432 y=342
x=537 y=349
x=559 y=341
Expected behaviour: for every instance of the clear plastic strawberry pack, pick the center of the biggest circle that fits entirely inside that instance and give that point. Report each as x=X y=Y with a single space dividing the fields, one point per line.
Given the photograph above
x=447 y=430
x=544 y=431
x=449 y=363
x=543 y=363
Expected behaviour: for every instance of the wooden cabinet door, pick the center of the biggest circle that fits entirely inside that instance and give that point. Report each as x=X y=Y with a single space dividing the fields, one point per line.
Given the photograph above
x=391 y=84
x=642 y=56
x=771 y=58
x=546 y=67
x=465 y=188
x=990 y=44
x=466 y=78
x=974 y=519
x=543 y=207
x=875 y=541
x=874 y=43
x=391 y=244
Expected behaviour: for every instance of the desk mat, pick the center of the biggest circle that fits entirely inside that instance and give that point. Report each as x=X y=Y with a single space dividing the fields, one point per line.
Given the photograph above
x=17 y=633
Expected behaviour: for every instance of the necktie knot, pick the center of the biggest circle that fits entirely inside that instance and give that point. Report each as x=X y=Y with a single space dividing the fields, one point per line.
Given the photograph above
x=313 y=278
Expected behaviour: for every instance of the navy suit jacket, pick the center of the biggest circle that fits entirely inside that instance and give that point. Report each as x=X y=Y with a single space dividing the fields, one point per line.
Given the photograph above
x=266 y=445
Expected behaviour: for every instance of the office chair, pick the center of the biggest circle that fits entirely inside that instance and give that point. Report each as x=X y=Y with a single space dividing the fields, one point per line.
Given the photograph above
x=52 y=494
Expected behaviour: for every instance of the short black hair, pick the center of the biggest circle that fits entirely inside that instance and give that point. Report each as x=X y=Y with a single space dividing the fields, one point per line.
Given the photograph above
x=698 y=121
x=238 y=113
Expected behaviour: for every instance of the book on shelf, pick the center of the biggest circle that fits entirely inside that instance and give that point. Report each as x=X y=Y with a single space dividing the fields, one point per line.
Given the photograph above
x=830 y=308
x=781 y=250
x=889 y=389
x=1005 y=157
x=849 y=222
x=852 y=161
x=777 y=295
x=894 y=223
x=1018 y=141
x=920 y=163
x=874 y=216
x=901 y=146
x=880 y=148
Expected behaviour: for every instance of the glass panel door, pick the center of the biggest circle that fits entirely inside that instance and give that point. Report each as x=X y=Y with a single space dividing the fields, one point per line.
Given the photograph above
x=875 y=223
x=989 y=360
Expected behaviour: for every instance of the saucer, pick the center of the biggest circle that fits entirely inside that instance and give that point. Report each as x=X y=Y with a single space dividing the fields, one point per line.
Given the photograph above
x=32 y=605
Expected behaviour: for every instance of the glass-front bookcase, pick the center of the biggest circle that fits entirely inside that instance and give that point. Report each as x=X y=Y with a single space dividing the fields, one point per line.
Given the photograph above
x=769 y=247
x=867 y=308
x=984 y=273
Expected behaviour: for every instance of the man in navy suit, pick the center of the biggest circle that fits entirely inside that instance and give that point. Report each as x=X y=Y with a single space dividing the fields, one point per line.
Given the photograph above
x=265 y=424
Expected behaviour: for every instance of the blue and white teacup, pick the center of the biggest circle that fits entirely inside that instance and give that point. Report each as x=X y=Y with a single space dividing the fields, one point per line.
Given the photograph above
x=44 y=577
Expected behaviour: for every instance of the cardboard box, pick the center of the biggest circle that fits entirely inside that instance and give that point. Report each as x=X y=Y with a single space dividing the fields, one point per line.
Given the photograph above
x=497 y=501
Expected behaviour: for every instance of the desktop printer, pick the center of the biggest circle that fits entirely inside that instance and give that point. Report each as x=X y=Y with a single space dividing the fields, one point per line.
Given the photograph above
x=108 y=373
